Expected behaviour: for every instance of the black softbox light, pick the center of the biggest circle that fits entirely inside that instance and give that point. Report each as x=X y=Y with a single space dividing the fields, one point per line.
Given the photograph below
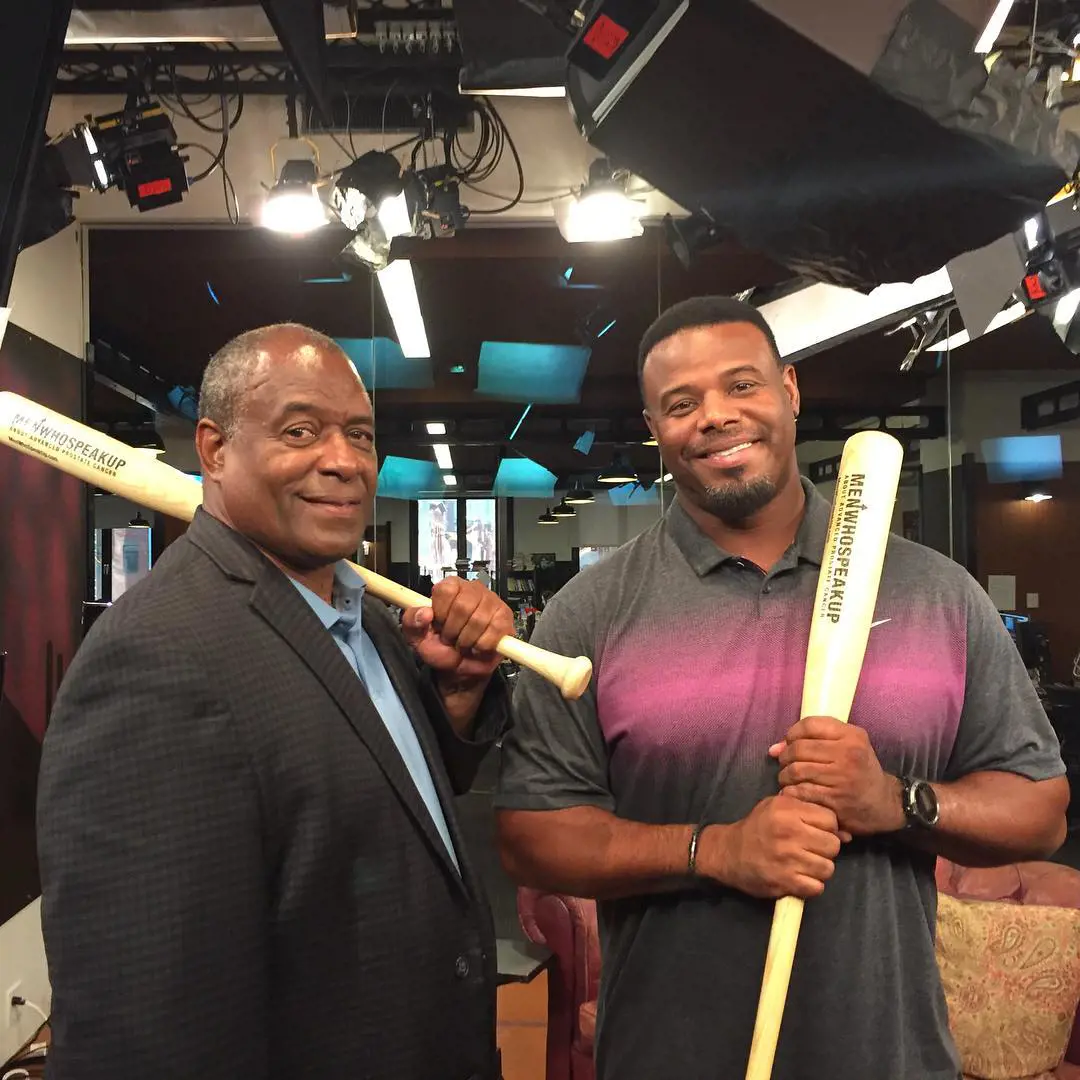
x=856 y=142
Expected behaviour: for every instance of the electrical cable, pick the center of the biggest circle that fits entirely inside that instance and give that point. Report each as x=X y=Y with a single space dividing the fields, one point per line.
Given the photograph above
x=18 y=1001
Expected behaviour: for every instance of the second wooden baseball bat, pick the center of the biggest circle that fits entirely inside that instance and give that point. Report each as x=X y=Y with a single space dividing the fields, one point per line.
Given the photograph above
x=840 y=627
x=123 y=470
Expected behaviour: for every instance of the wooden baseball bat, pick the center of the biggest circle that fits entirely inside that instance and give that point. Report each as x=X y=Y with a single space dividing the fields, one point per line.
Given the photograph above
x=123 y=470
x=843 y=610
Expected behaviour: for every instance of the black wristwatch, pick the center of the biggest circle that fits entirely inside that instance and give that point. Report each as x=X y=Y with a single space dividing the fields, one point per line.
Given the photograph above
x=920 y=803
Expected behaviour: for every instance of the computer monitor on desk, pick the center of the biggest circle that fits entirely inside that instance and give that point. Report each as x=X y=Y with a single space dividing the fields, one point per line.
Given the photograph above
x=1030 y=640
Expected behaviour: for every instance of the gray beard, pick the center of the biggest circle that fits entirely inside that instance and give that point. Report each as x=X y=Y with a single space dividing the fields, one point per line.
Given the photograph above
x=737 y=501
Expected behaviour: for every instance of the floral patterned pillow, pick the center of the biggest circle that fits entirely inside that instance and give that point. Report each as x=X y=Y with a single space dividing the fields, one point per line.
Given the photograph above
x=1011 y=974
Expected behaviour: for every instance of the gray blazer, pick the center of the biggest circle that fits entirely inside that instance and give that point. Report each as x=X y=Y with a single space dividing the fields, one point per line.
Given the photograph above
x=239 y=878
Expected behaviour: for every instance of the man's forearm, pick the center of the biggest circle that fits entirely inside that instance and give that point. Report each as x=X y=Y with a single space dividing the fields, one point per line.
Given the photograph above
x=588 y=852
x=461 y=699
x=993 y=818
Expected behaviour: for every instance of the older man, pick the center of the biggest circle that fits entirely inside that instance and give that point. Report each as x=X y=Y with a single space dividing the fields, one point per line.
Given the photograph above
x=251 y=865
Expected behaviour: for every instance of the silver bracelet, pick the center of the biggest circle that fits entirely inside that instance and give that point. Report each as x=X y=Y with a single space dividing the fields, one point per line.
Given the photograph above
x=691 y=858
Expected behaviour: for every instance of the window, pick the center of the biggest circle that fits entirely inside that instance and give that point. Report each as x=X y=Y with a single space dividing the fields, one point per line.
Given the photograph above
x=452 y=529
x=437 y=537
x=480 y=543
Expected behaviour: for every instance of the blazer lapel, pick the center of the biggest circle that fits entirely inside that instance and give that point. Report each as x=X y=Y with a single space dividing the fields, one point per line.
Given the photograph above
x=278 y=602
x=388 y=645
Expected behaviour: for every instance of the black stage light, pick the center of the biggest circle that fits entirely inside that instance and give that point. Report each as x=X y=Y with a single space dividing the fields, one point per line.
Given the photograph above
x=1051 y=284
x=134 y=149
x=854 y=143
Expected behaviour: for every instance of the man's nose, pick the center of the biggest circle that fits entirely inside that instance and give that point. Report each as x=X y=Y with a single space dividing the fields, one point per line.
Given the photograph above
x=717 y=410
x=340 y=457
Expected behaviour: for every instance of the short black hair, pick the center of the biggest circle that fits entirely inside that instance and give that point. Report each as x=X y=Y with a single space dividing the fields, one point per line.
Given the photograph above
x=701 y=311
x=228 y=375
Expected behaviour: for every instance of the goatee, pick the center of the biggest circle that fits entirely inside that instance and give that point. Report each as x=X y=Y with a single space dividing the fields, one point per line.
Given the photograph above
x=740 y=499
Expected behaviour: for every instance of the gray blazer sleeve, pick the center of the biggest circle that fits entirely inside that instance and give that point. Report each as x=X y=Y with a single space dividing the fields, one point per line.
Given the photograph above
x=154 y=909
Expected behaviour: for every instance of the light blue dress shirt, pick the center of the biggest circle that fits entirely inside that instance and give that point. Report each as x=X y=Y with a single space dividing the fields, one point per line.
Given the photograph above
x=344 y=622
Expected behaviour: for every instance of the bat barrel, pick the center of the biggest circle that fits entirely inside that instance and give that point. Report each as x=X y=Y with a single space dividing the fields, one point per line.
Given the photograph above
x=99 y=459
x=96 y=458
x=851 y=566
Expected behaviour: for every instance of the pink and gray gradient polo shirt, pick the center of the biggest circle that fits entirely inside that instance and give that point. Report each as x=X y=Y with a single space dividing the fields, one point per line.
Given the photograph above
x=699 y=660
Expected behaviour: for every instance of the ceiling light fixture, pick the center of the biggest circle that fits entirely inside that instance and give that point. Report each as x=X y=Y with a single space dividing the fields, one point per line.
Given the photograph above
x=403 y=303
x=620 y=472
x=449 y=479
x=371 y=201
x=564 y=510
x=601 y=211
x=578 y=495
x=293 y=205
x=547 y=518
x=993 y=27
x=436 y=427
x=442 y=456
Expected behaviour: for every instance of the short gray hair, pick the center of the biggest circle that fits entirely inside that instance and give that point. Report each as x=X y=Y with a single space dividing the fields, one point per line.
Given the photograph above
x=228 y=375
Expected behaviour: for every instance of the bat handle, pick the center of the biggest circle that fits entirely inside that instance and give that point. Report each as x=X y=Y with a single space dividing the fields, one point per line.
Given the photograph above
x=571 y=674
x=784 y=936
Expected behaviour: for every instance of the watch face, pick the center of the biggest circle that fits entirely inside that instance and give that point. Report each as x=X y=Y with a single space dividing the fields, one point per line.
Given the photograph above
x=926 y=804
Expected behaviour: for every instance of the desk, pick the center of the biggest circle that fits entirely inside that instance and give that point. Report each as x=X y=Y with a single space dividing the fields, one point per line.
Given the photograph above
x=520 y=961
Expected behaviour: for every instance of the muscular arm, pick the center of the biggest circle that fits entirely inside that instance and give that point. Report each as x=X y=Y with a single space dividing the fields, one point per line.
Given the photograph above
x=586 y=851
x=782 y=847
x=992 y=818
x=986 y=817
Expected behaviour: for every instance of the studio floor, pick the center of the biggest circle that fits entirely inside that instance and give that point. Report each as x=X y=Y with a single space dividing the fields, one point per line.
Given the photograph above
x=522 y=1030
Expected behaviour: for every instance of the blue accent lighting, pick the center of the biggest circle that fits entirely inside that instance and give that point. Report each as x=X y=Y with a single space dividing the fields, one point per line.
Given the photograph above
x=585 y=441
x=408 y=478
x=521 y=420
x=383 y=366
x=521 y=371
x=1022 y=457
x=633 y=495
x=523 y=478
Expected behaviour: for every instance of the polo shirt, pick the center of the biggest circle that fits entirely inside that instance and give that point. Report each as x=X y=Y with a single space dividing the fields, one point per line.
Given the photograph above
x=344 y=620
x=698 y=661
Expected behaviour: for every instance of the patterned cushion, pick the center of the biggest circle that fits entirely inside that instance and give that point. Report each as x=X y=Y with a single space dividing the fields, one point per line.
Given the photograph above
x=1011 y=974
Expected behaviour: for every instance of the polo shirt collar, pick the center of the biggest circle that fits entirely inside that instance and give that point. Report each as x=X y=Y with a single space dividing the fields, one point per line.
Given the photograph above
x=705 y=555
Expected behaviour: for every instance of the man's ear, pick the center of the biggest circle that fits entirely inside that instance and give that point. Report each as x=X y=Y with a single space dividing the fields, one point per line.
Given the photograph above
x=791 y=387
x=210 y=446
x=649 y=422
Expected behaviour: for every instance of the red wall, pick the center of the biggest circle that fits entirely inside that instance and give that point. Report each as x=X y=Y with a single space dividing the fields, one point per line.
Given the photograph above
x=43 y=571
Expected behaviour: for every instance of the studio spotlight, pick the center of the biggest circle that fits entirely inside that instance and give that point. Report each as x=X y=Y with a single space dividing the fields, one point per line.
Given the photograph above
x=293 y=205
x=602 y=210
x=687 y=236
x=371 y=201
x=134 y=149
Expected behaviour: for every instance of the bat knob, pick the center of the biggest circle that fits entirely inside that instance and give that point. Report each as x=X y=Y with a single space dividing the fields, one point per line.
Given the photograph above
x=576 y=677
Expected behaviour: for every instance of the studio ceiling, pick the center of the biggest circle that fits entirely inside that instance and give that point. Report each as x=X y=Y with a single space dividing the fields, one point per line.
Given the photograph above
x=171 y=291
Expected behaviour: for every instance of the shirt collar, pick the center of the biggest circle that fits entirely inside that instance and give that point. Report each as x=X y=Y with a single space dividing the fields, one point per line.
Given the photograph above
x=348 y=597
x=705 y=555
